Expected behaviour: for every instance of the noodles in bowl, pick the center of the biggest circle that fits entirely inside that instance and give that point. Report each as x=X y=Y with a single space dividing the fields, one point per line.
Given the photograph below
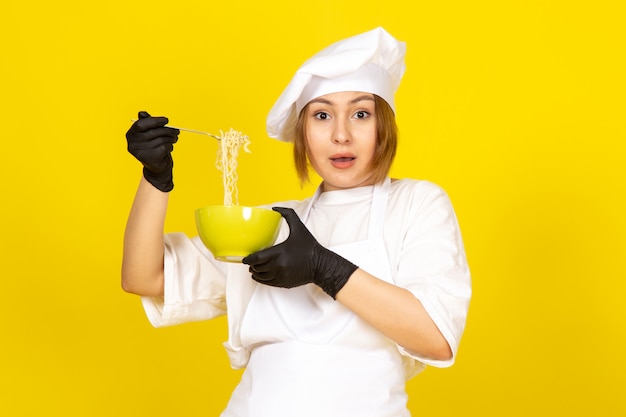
x=231 y=232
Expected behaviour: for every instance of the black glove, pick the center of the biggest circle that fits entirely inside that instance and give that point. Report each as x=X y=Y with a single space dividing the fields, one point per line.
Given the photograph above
x=152 y=144
x=299 y=260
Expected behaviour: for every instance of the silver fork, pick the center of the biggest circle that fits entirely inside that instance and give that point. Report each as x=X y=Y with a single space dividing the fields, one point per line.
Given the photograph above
x=184 y=129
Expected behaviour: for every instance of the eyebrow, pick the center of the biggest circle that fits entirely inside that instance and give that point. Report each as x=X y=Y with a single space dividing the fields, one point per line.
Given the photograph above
x=353 y=101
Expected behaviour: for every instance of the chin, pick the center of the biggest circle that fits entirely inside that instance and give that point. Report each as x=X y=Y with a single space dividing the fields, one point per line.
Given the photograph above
x=345 y=183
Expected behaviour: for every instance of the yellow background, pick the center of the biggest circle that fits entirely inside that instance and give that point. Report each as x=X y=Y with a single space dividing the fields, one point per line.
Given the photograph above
x=516 y=108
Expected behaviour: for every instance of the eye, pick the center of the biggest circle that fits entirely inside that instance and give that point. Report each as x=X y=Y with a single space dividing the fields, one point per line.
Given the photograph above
x=361 y=114
x=321 y=115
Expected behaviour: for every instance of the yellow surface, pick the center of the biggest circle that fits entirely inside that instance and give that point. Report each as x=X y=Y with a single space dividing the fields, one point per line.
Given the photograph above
x=515 y=107
x=233 y=232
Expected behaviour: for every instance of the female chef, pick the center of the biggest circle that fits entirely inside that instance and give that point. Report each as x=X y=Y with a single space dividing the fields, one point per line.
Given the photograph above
x=369 y=282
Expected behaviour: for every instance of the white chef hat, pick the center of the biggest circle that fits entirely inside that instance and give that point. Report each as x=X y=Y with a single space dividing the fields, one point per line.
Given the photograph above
x=371 y=62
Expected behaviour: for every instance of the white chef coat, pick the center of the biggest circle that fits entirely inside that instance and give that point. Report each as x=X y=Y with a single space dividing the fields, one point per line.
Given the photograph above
x=285 y=329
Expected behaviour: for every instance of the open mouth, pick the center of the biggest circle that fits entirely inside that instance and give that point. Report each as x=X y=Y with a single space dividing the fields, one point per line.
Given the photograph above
x=343 y=159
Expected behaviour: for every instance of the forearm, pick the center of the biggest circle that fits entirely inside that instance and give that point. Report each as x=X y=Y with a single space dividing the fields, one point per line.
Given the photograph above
x=395 y=312
x=142 y=264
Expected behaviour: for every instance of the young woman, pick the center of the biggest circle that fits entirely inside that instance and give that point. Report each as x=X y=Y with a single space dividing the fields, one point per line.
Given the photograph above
x=369 y=282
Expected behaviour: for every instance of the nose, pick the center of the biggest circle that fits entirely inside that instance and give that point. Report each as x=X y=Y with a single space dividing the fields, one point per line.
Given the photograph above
x=341 y=133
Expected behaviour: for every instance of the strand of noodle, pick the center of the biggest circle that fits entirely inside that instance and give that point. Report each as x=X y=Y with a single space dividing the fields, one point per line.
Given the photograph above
x=227 y=163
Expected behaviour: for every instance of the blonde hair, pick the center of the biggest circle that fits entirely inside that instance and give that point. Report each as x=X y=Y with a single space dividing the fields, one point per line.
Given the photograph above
x=386 y=142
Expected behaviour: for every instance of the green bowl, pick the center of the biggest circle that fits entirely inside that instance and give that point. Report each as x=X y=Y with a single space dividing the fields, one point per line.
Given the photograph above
x=233 y=232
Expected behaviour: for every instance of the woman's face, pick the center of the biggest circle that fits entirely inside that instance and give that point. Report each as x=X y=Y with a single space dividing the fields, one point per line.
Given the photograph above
x=340 y=131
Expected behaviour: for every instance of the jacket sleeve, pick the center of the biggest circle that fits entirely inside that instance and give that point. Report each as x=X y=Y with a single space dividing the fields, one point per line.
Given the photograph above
x=433 y=266
x=194 y=287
